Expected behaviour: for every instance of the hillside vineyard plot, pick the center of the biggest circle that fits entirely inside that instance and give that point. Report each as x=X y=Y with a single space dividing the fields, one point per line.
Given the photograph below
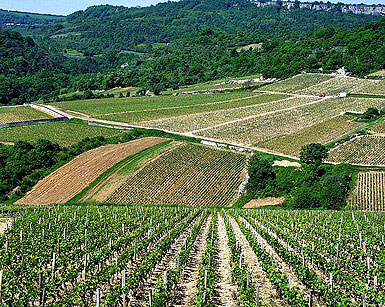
x=189 y=174
x=262 y=128
x=115 y=106
x=379 y=127
x=113 y=178
x=63 y=133
x=69 y=180
x=375 y=87
x=323 y=133
x=138 y=256
x=369 y=193
x=195 y=122
x=380 y=73
x=20 y=114
x=297 y=83
x=364 y=150
x=165 y=114
x=337 y=85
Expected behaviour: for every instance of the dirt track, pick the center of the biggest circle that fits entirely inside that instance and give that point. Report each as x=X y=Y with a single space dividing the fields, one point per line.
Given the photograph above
x=69 y=180
x=261 y=279
x=227 y=289
x=187 y=290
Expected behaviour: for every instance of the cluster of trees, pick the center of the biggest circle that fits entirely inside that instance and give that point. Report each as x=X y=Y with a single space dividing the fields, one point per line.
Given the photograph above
x=371 y=114
x=19 y=164
x=313 y=185
x=25 y=163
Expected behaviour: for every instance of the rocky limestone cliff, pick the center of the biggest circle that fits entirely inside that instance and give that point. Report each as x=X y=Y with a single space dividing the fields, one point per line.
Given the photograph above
x=378 y=9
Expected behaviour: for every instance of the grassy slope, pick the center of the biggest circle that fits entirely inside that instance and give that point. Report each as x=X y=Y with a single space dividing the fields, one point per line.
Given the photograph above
x=123 y=168
x=111 y=105
x=18 y=114
x=63 y=133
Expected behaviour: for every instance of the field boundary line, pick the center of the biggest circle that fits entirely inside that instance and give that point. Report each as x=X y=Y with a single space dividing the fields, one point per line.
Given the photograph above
x=322 y=82
x=49 y=110
x=182 y=107
x=167 y=151
x=222 y=110
x=258 y=115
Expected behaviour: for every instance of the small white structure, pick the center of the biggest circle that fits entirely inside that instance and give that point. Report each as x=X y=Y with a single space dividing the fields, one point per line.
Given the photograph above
x=209 y=143
x=343 y=95
x=342 y=72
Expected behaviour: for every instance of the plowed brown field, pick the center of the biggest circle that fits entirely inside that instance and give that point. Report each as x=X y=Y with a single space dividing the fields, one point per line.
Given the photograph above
x=69 y=180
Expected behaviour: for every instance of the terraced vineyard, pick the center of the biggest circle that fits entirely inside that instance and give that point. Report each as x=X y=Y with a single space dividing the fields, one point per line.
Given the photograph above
x=281 y=117
x=369 y=193
x=112 y=106
x=139 y=256
x=197 y=122
x=20 y=114
x=221 y=84
x=188 y=175
x=152 y=117
x=380 y=73
x=364 y=150
x=379 y=127
x=63 y=133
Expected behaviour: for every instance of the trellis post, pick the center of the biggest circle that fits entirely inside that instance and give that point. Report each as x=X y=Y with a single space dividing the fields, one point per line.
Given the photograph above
x=257 y=297
x=98 y=298
x=1 y=281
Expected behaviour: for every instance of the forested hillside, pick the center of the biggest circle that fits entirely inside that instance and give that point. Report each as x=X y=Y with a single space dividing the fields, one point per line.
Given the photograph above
x=211 y=55
x=360 y=50
x=28 y=71
x=178 y=43
x=140 y=28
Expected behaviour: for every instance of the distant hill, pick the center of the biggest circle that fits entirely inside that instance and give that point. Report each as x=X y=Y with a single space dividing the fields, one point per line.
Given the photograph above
x=29 y=71
x=111 y=28
x=179 y=43
x=18 y=19
x=121 y=27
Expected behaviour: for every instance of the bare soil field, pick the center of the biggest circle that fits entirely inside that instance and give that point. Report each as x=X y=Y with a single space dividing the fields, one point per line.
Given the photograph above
x=286 y=163
x=69 y=180
x=269 y=201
